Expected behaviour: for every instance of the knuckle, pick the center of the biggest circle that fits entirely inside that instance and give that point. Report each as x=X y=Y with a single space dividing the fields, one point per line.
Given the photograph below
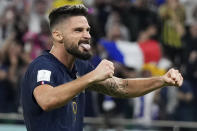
x=111 y=63
x=172 y=69
x=104 y=61
x=107 y=61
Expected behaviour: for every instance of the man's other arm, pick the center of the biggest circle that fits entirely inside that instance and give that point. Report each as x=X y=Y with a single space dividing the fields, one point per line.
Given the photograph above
x=128 y=88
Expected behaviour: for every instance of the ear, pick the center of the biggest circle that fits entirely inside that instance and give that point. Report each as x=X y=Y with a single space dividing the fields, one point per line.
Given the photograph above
x=57 y=36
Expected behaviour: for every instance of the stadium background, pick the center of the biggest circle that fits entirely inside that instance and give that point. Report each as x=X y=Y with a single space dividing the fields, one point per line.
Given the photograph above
x=142 y=37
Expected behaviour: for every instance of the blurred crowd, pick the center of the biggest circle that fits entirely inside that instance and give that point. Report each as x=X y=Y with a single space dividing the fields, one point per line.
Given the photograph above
x=142 y=37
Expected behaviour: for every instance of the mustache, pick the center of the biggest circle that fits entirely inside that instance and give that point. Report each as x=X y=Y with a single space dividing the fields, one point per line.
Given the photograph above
x=84 y=41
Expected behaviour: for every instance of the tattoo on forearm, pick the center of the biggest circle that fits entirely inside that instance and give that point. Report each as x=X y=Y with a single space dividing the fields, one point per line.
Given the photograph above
x=113 y=86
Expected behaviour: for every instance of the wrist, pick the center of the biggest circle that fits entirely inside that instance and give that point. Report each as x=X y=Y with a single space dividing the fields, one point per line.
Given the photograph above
x=91 y=78
x=162 y=80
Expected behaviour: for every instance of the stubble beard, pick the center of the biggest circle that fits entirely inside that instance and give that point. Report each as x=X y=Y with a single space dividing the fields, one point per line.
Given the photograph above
x=73 y=50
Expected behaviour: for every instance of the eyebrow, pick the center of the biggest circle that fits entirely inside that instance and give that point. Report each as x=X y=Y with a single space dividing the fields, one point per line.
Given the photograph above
x=88 y=28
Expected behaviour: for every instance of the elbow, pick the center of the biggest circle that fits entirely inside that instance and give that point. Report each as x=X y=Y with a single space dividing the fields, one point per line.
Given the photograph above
x=47 y=105
x=47 y=101
x=52 y=103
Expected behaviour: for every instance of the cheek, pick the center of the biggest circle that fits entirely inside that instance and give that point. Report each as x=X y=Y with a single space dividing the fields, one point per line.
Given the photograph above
x=72 y=40
x=70 y=43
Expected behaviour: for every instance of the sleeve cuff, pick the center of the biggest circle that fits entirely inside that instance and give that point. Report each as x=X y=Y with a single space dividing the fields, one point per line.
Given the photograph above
x=43 y=83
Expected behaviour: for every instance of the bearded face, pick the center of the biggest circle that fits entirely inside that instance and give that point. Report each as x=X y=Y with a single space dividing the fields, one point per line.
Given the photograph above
x=76 y=37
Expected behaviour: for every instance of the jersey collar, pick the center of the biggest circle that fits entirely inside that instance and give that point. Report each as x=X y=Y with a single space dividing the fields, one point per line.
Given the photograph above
x=72 y=72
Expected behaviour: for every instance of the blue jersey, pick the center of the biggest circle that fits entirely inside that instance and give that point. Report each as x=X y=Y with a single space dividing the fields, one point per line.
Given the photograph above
x=46 y=69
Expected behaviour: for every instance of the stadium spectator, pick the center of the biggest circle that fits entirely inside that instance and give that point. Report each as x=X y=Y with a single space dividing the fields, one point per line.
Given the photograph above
x=35 y=43
x=37 y=14
x=190 y=53
x=172 y=14
x=12 y=69
x=184 y=110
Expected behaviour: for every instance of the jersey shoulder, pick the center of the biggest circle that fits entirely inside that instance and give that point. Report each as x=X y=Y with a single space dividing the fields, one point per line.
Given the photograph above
x=43 y=60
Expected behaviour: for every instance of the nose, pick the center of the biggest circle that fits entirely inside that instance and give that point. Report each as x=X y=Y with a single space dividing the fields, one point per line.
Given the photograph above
x=87 y=35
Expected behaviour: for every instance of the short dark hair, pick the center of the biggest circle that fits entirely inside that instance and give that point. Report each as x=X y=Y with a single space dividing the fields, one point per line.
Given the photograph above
x=66 y=11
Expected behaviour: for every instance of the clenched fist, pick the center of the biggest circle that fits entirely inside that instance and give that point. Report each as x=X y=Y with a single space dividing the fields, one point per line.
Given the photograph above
x=103 y=71
x=173 y=78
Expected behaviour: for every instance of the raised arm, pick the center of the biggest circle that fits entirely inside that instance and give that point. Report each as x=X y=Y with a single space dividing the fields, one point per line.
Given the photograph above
x=128 y=88
x=102 y=80
x=49 y=98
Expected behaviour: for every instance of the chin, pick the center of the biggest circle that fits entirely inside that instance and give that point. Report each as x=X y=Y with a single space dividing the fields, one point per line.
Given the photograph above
x=84 y=55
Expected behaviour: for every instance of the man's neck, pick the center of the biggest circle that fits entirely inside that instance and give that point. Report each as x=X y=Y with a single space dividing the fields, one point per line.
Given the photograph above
x=63 y=56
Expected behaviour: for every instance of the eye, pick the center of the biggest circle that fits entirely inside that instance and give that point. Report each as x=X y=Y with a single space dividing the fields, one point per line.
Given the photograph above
x=88 y=29
x=78 y=30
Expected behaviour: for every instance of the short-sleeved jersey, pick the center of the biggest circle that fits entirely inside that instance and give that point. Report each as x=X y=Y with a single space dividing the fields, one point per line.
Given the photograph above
x=46 y=69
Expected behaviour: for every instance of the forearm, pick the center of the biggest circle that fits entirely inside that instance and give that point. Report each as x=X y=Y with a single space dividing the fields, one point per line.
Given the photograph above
x=68 y=91
x=128 y=88
x=141 y=86
x=114 y=86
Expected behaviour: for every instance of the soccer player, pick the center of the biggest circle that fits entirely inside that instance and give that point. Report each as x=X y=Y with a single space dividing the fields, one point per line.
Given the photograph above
x=54 y=84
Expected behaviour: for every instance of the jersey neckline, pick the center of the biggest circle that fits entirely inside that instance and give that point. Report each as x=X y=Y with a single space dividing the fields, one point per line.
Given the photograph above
x=72 y=72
